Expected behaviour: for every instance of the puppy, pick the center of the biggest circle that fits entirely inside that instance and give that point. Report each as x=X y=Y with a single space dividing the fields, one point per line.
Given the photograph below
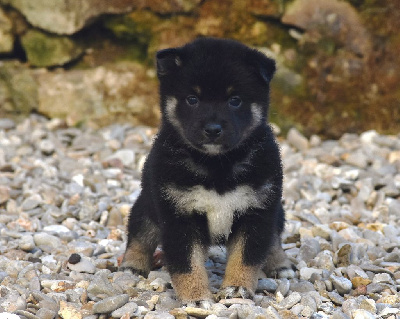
x=214 y=174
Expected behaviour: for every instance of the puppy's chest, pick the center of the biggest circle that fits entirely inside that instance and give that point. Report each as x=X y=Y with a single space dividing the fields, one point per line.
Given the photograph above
x=220 y=209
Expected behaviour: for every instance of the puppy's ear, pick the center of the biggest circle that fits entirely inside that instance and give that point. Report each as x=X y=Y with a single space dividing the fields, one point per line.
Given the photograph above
x=168 y=60
x=265 y=65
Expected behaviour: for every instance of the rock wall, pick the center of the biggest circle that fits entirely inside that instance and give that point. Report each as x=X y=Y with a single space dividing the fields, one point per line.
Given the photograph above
x=92 y=60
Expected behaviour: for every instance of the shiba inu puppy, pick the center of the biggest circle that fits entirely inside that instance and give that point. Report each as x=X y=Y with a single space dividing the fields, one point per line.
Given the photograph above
x=214 y=174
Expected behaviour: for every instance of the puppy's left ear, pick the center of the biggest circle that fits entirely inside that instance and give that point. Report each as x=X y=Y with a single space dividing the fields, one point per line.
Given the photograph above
x=168 y=61
x=265 y=65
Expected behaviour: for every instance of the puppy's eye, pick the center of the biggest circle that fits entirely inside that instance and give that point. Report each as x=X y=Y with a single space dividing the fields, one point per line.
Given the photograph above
x=192 y=100
x=235 y=101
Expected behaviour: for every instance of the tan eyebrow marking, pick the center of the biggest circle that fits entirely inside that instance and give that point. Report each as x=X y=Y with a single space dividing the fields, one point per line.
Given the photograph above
x=197 y=89
x=229 y=90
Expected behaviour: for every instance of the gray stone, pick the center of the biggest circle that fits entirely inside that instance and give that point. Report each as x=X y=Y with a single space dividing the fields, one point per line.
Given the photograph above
x=382 y=278
x=31 y=202
x=5 y=124
x=100 y=285
x=336 y=298
x=283 y=286
x=126 y=156
x=11 y=300
x=26 y=242
x=309 y=301
x=290 y=301
x=84 y=265
x=341 y=284
x=44 y=239
x=306 y=272
x=47 y=147
x=129 y=308
x=44 y=313
x=110 y=304
x=161 y=315
x=272 y=313
x=362 y=314
x=338 y=314
x=309 y=249
x=267 y=284
x=358 y=159
x=302 y=286
x=297 y=140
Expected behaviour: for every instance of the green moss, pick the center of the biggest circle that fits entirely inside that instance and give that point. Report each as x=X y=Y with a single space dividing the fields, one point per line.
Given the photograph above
x=134 y=31
x=45 y=50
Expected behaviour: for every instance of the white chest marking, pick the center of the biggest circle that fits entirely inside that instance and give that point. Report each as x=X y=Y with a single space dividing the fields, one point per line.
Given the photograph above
x=220 y=209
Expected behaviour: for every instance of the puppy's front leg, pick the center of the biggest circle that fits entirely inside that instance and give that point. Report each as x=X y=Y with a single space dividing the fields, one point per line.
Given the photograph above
x=247 y=248
x=185 y=256
x=240 y=278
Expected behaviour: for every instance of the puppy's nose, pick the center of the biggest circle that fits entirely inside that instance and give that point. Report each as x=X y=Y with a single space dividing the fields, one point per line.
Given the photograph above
x=213 y=130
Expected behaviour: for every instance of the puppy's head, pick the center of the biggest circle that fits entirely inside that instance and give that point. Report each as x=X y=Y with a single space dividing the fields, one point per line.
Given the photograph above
x=214 y=92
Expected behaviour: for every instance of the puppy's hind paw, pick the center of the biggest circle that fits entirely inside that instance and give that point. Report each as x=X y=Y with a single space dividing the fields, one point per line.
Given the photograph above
x=235 y=292
x=285 y=273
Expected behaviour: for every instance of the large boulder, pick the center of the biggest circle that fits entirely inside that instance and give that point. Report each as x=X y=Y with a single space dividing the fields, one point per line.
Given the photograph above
x=70 y=16
x=126 y=91
x=18 y=88
x=330 y=19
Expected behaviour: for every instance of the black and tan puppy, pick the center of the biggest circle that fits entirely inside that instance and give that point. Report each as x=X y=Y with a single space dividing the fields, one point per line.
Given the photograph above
x=214 y=174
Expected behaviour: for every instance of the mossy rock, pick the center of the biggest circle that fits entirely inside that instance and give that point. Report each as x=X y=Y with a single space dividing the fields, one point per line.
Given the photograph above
x=19 y=88
x=46 y=50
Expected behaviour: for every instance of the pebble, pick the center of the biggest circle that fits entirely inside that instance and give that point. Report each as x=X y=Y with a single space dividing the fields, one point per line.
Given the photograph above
x=341 y=284
x=110 y=304
x=26 y=243
x=84 y=265
x=129 y=308
x=290 y=301
x=362 y=314
x=65 y=193
x=267 y=284
x=283 y=286
x=297 y=140
x=44 y=239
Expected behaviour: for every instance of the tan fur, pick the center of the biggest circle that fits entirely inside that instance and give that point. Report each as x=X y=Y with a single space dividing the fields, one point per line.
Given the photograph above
x=197 y=89
x=138 y=257
x=237 y=273
x=193 y=286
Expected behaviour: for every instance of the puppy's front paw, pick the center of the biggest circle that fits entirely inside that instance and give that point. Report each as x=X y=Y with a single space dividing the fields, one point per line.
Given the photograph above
x=133 y=270
x=204 y=304
x=235 y=292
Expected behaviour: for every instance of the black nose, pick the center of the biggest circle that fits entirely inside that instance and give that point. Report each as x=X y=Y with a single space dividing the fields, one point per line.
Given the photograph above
x=213 y=130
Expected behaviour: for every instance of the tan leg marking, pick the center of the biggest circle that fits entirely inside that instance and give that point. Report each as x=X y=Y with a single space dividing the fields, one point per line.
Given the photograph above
x=193 y=286
x=237 y=273
x=138 y=257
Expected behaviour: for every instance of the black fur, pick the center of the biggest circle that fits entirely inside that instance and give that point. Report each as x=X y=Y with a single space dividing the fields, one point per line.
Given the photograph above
x=243 y=152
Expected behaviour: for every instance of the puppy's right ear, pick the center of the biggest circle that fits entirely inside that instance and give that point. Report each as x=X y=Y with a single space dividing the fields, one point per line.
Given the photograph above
x=168 y=60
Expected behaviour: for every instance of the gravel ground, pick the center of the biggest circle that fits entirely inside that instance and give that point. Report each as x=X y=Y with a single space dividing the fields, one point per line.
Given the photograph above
x=65 y=192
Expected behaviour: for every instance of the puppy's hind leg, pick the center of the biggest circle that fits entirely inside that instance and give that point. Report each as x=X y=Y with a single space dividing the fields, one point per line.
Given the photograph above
x=277 y=264
x=142 y=240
